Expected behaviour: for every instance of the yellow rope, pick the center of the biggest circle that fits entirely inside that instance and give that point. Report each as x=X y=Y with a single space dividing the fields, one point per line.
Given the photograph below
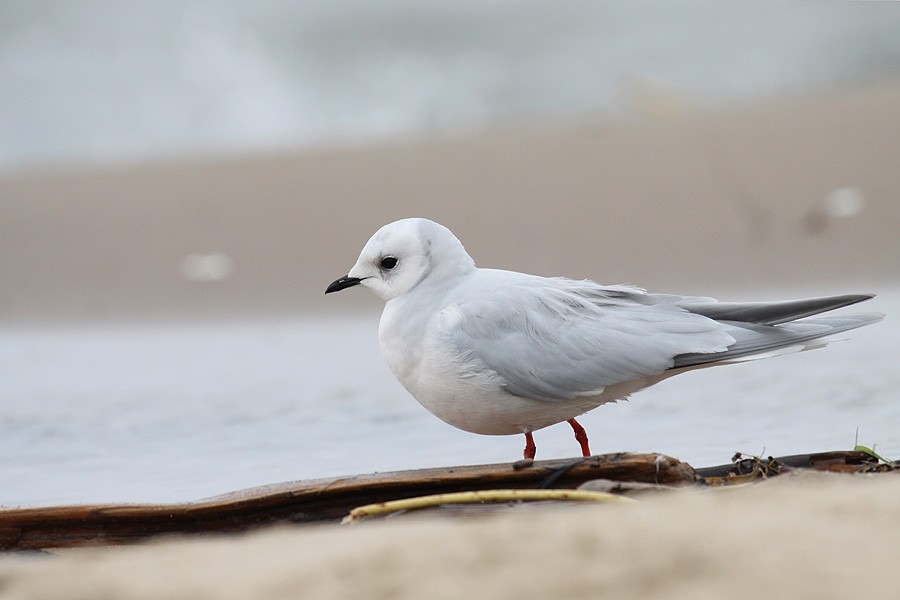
x=381 y=508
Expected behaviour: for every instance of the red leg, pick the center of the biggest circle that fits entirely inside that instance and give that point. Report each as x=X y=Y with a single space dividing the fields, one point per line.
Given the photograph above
x=530 y=448
x=581 y=436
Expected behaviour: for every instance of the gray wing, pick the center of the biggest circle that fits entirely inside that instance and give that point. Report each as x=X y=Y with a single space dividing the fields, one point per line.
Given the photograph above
x=554 y=339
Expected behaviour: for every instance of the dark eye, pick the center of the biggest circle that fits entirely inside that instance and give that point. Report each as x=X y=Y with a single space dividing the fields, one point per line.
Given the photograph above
x=388 y=262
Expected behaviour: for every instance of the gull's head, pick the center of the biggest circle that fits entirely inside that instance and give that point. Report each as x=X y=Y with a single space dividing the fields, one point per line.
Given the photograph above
x=405 y=254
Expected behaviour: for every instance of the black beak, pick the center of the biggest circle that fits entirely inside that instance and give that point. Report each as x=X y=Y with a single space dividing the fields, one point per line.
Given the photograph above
x=342 y=283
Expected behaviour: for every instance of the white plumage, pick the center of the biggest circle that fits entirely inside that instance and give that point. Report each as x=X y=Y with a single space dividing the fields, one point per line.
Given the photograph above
x=499 y=352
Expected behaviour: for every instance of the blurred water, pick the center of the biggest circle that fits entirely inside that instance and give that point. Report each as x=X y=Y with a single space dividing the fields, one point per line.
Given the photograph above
x=104 y=81
x=179 y=412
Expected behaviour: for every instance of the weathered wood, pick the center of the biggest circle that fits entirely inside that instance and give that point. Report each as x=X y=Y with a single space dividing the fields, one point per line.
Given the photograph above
x=328 y=500
x=312 y=501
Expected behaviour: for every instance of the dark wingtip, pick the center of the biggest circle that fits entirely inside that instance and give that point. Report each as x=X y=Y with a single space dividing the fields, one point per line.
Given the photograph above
x=850 y=299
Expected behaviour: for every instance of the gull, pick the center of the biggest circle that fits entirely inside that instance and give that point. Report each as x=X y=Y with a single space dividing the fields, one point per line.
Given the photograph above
x=499 y=352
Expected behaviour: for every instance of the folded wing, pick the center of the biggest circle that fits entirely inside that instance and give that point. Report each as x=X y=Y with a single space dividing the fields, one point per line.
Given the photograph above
x=555 y=339
x=558 y=339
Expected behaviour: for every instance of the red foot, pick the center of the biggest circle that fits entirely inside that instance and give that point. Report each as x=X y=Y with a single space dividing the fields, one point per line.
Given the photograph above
x=581 y=436
x=530 y=448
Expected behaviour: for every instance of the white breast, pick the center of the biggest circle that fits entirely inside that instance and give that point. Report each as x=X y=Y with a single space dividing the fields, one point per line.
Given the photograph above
x=460 y=392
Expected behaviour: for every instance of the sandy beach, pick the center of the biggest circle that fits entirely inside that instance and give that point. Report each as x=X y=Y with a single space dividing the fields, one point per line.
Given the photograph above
x=798 y=195
x=814 y=536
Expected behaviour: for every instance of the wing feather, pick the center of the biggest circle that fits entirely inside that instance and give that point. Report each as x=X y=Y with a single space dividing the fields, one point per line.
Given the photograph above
x=556 y=339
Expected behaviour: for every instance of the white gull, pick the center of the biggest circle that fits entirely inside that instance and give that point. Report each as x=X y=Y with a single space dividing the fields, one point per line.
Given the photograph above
x=499 y=352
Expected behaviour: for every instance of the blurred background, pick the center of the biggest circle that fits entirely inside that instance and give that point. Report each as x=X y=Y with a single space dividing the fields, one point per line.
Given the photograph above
x=180 y=181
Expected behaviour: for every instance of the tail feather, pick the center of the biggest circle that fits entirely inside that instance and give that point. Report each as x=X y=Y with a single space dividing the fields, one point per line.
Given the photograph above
x=754 y=339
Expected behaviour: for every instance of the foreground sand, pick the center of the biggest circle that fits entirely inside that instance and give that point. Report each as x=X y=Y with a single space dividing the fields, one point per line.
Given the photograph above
x=810 y=536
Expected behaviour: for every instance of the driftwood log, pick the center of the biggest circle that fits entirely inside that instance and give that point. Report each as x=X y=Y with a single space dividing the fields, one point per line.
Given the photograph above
x=327 y=500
